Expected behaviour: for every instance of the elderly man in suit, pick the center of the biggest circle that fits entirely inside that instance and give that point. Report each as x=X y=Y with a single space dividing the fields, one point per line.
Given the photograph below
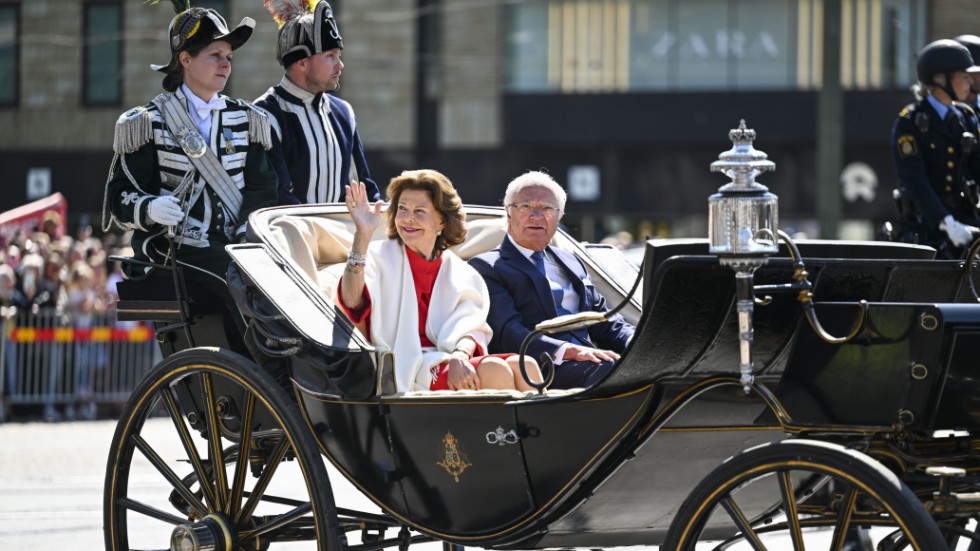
x=530 y=281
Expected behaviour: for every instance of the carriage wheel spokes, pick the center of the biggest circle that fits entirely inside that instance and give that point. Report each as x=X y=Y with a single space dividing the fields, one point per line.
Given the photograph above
x=798 y=495
x=845 y=515
x=241 y=463
x=788 y=499
x=190 y=448
x=262 y=484
x=743 y=524
x=215 y=449
x=235 y=466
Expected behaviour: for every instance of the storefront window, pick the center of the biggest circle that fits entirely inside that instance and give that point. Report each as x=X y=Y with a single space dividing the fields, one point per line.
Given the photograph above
x=653 y=45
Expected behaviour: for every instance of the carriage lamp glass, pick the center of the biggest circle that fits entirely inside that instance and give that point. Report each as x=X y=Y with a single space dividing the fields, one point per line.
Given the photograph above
x=742 y=230
x=743 y=215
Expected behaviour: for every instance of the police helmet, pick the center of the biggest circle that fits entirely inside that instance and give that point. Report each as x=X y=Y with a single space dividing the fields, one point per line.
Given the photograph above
x=972 y=43
x=942 y=57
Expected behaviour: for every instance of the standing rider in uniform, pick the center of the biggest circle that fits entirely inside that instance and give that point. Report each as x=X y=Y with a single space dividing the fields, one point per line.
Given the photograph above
x=191 y=165
x=317 y=151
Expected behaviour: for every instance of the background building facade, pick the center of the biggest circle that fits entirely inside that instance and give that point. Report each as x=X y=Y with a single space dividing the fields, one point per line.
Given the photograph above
x=625 y=102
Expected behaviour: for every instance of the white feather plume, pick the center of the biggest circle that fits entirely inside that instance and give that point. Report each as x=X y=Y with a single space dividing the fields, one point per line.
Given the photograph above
x=285 y=10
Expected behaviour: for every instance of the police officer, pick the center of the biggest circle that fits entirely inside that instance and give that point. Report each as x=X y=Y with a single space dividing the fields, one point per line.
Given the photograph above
x=934 y=148
x=972 y=43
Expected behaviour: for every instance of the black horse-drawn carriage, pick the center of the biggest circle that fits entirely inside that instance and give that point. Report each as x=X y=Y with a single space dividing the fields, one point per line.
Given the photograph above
x=857 y=421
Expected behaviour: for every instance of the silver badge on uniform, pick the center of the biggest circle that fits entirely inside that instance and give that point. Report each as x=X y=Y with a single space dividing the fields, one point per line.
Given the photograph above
x=191 y=142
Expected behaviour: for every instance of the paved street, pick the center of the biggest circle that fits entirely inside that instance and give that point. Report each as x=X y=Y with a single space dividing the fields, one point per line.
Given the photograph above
x=51 y=485
x=51 y=478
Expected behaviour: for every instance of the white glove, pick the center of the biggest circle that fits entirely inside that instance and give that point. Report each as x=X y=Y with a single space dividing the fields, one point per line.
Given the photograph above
x=164 y=210
x=958 y=233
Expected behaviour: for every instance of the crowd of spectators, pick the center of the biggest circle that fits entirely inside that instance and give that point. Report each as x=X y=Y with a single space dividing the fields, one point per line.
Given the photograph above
x=66 y=272
x=67 y=278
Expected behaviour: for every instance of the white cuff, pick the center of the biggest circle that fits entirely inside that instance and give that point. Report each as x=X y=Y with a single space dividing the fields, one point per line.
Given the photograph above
x=560 y=353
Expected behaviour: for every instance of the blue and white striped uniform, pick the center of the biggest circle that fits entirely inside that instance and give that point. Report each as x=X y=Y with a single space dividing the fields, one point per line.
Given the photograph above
x=316 y=148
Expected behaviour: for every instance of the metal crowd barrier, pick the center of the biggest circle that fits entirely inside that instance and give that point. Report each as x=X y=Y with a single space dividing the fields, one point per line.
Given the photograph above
x=48 y=359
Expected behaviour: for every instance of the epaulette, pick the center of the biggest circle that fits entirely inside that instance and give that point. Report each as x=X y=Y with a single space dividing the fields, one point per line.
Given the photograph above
x=259 y=128
x=133 y=130
x=965 y=107
x=907 y=111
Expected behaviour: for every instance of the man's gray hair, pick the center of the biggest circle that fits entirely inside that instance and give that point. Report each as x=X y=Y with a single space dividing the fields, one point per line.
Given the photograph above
x=535 y=178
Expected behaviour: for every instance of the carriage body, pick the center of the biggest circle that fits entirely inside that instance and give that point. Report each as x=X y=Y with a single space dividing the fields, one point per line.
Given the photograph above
x=612 y=465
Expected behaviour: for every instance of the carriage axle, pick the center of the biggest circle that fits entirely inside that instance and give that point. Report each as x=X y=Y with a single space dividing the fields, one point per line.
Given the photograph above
x=210 y=534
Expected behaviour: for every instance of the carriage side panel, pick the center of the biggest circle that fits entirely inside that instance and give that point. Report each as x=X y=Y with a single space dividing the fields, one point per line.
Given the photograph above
x=893 y=373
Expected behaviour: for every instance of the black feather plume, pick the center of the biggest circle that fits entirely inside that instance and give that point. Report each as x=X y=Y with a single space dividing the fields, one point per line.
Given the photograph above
x=179 y=5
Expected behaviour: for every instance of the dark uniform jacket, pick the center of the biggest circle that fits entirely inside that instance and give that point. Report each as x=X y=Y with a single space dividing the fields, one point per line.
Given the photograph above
x=316 y=148
x=936 y=163
x=149 y=163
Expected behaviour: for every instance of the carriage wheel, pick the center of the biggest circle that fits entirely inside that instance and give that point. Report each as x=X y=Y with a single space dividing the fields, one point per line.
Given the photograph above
x=822 y=492
x=259 y=484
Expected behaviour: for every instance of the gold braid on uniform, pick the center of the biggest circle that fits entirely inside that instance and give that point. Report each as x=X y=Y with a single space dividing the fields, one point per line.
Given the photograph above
x=133 y=129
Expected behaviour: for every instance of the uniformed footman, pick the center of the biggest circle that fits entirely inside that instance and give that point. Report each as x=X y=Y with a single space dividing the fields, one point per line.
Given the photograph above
x=191 y=165
x=317 y=150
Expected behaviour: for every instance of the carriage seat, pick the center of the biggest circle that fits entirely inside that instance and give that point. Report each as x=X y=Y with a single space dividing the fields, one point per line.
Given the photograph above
x=319 y=245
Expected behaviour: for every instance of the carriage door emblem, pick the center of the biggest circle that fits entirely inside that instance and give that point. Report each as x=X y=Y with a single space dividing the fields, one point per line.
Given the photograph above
x=502 y=437
x=454 y=461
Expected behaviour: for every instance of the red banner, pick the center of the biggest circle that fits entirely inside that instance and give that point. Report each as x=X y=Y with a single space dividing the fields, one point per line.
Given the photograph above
x=27 y=218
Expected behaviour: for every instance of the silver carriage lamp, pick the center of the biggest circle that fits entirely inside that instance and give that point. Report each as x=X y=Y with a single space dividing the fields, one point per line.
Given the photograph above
x=742 y=228
x=743 y=217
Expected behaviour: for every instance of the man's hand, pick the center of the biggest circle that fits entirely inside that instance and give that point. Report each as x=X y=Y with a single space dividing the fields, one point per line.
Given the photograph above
x=958 y=233
x=578 y=353
x=164 y=210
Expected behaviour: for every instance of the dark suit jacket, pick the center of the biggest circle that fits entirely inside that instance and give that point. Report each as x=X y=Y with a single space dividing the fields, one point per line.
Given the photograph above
x=520 y=298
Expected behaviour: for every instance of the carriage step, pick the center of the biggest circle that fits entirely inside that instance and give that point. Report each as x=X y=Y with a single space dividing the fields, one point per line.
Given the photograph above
x=156 y=300
x=144 y=310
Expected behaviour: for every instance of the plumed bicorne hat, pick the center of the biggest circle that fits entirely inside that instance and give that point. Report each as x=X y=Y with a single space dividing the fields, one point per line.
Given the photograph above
x=306 y=27
x=200 y=27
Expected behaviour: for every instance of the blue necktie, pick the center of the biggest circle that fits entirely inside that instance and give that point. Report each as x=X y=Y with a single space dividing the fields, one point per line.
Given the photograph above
x=556 y=291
